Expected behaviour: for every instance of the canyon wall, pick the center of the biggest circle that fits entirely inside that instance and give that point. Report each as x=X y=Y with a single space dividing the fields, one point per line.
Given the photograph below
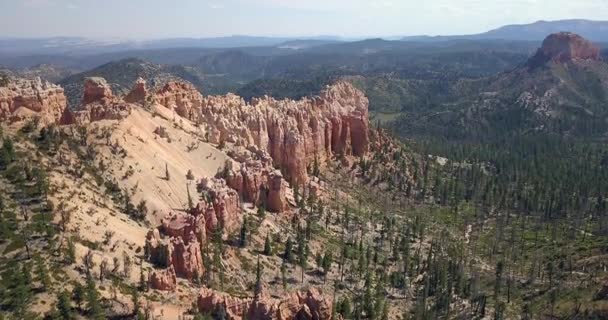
x=294 y=133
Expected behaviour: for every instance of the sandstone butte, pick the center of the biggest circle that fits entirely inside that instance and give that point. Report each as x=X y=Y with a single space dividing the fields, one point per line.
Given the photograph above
x=564 y=47
x=266 y=134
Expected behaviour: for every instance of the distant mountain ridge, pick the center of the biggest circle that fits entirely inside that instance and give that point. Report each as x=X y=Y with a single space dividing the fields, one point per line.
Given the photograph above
x=596 y=31
x=562 y=89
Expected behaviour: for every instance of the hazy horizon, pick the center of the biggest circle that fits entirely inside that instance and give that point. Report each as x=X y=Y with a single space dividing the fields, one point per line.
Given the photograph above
x=156 y=19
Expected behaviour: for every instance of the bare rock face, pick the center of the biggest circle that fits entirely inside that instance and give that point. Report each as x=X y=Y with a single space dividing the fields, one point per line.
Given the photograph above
x=96 y=89
x=181 y=225
x=187 y=258
x=99 y=104
x=258 y=182
x=164 y=280
x=183 y=255
x=564 y=47
x=311 y=304
x=222 y=206
x=109 y=110
x=210 y=301
x=294 y=133
x=23 y=99
x=138 y=94
x=181 y=97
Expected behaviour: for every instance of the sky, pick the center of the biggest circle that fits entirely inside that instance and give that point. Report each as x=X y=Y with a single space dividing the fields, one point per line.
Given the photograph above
x=154 y=19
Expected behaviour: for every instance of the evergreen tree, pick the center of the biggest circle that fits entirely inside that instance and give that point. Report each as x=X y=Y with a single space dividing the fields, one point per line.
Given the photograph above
x=7 y=153
x=288 y=255
x=42 y=273
x=303 y=256
x=258 y=281
x=93 y=300
x=267 y=246
x=262 y=211
x=190 y=202
x=78 y=294
x=63 y=307
x=243 y=234
x=190 y=175
x=284 y=274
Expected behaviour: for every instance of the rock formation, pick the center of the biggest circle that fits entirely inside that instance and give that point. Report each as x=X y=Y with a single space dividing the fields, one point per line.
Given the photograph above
x=23 y=99
x=221 y=207
x=187 y=258
x=564 y=47
x=96 y=89
x=310 y=305
x=138 y=94
x=100 y=104
x=181 y=97
x=182 y=255
x=164 y=280
x=257 y=181
x=181 y=225
x=294 y=133
x=180 y=249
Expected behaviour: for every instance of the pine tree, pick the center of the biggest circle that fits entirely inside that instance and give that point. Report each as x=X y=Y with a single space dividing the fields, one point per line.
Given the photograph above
x=7 y=153
x=267 y=246
x=142 y=210
x=135 y=300
x=284 y=274
x=63 y=307
x=258 y=281
x=42 y=273
x=93 y=300
x=326 y=264
x=288 y=255
x=78 y=294
x=143 y=284
x=128 y=206
x=262 y=211
x=243 y=234
x=190 y=202
x=189 y=175
x=303 y=256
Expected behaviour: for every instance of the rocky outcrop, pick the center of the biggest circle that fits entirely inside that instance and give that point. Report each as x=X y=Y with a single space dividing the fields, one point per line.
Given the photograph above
x=564 y=47
x=164 y=280
x=23 y=99
x=210 y=301
x=181 y=97
x=181 y=254
x=181 y=225
x=138 y=94
x=187 y=258
x=96 y=89
x=99 y=104
x=180 y=248
x=294 y=133
x=257 y=181
x=311 y=304
x=220 y=208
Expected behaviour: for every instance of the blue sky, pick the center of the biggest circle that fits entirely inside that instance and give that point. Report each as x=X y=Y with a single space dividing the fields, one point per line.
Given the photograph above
x=146 y=19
